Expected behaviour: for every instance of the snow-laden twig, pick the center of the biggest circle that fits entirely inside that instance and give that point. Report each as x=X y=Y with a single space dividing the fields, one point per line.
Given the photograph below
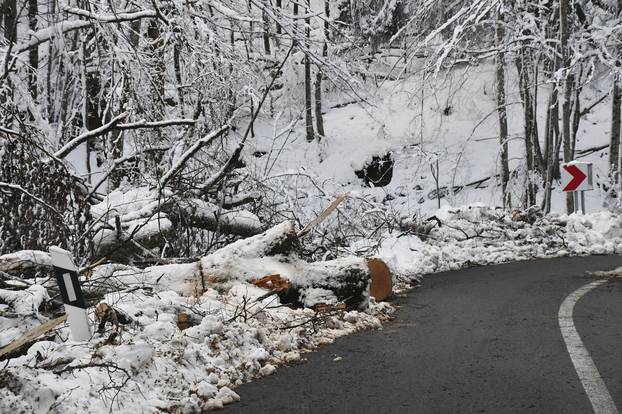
x=181 y=162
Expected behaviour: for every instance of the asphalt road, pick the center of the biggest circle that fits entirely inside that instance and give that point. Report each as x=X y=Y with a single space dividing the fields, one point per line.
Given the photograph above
x=481 y=340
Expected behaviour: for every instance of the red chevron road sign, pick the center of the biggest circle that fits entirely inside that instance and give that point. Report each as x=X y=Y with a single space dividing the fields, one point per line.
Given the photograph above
x=577 y=176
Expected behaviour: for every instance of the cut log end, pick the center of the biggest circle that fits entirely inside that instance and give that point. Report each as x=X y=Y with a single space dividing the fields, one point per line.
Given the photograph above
x=381 y=285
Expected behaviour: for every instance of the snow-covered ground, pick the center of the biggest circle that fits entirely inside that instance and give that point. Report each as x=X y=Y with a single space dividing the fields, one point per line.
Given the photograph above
x=451 y=119
x=236 y=335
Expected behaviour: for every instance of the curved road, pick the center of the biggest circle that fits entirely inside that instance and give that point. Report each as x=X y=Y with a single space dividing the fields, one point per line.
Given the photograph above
x=481 y=340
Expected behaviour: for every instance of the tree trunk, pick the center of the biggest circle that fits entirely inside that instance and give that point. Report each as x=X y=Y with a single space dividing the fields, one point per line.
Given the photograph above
x=295 y=12
x=178 y=75
x=525 y=94
x=614 y=144
x=502 y=112
x=319 y=118
x=279 y=6
x=550 y=154
x=156 y=54
x=617 y=115
x=266 y=32
x=9 y=20
x=538 y=157
x=310 y=133
x=33 y=53
x=92 y=119
x=296 y=282
x=345 y=280
x=616 y=104
x=576 y=114
x=564 y=8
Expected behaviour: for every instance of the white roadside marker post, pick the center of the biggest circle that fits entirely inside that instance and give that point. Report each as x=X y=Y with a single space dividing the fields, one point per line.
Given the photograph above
x=66 y=273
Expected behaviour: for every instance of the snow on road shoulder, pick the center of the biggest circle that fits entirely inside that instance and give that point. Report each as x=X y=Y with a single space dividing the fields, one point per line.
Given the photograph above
x=478 y=235
x=155 y=366
x=236 y=334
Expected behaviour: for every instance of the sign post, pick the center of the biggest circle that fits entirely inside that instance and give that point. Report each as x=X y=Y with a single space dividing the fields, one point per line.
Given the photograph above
x=577 y=178
x=66 y=274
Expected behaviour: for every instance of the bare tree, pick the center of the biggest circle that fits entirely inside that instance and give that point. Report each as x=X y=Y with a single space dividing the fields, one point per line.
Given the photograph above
x=564 y=33
x=501 y=110
x=319 y=118
x=309 y=131
x=616 y=104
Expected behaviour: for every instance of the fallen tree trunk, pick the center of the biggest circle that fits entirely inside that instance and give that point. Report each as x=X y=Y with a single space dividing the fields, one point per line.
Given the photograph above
x=332 y=282
x=128 y=235
x=273 y=254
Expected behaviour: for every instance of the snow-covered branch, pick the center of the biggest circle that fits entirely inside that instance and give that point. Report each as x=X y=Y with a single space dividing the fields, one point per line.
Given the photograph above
x=65 y=26
x=111 y=18
x=74 y=143
x=155 y=124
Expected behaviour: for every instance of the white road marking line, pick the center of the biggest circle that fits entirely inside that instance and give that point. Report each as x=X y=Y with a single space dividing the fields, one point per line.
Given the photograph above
x=594 y=386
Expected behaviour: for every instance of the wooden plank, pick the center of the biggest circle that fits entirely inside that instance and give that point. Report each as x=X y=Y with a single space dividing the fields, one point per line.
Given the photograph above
x=32 y=335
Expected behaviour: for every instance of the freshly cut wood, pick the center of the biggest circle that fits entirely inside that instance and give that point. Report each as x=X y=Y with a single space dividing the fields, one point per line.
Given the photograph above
x=31 y=336
x=381 y=285
x=273 y=282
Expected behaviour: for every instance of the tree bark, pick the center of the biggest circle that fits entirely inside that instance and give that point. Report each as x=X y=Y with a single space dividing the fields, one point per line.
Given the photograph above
x=535 y=134
x=564 y=8
x=550 y=154
x=523 y=79
x=616 y=105
x=576 y=114
x=614 y=144
x=296 y=282
x=266 y=32
x=502 y=112
x=310 y=133
x=279 y=6
x=91 y=110
x=319 y=118
x=8 y=18
x=156 y=53
x=33 y=53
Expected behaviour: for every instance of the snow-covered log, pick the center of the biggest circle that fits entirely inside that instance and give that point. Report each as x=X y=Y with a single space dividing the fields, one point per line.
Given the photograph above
x=278 y=240
x=205 y=215
x=25 y=262
x=346 y=280
x=333 y=282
